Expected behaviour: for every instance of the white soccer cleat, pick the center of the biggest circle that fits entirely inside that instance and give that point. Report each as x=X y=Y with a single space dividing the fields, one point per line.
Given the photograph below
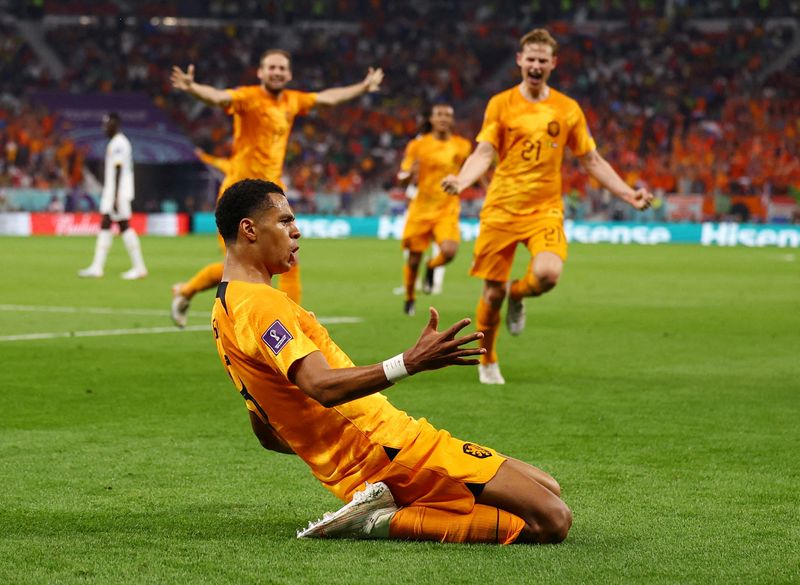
x=90 y=272
x=490 y=374
x=515 y=314
x=180 y=306
x=356 y=519
x=134 y=274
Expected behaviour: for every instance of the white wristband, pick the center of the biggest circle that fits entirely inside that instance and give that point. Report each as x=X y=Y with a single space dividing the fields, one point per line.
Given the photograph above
x=395 y=368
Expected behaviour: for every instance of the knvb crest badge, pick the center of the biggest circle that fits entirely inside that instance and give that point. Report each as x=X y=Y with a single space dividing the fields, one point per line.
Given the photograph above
x=276 y=337
x=554 y=128
x=477 y=451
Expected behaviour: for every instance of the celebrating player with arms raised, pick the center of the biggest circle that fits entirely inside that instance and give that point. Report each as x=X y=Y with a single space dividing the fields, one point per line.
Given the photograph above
x=527 y=128
x=263 y=116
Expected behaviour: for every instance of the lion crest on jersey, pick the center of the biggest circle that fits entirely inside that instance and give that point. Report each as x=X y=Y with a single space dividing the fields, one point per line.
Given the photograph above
x=553 y=128
x=476 y=451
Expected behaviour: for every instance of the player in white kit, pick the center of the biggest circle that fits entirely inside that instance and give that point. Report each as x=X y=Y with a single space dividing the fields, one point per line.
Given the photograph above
x=115 y=204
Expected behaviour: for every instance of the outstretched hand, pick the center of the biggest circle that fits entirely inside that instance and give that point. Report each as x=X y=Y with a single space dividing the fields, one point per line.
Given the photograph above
x=450 y=185
x=438 y=349
x=642 y=199
x=373 y=79
x=182 y=80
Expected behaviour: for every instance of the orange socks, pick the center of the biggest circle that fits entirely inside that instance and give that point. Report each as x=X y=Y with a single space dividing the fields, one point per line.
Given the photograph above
x=436 y=262
x=206 y=278
x=488 y=322
x=526 y=287
x=484 y=524
x=289 y=282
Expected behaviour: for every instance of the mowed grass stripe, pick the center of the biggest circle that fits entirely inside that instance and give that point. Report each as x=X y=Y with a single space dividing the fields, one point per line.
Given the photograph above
x=658 y=384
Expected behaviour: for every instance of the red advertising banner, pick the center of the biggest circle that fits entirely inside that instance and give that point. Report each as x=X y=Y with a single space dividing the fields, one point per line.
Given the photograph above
x=88 y=224
x=77 y=224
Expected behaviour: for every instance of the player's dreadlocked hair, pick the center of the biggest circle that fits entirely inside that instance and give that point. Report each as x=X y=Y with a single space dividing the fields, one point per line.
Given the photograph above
x=240 y=200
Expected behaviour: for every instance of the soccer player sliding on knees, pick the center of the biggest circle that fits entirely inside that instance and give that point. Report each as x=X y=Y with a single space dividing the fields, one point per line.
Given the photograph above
x=400 y=477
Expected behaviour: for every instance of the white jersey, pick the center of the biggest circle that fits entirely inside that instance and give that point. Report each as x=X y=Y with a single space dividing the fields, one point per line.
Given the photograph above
x=118 y=153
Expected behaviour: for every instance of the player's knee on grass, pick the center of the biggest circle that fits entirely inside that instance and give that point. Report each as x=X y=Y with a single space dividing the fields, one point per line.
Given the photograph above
x=105 y=222
x=551 y=527
x=123 y=225
x=551 y=484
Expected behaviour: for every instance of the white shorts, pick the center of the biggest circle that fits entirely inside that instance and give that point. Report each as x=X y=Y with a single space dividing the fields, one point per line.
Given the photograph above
x=123 y=211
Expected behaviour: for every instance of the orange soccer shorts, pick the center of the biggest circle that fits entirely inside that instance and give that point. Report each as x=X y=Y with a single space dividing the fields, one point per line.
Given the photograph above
x=496 y=244
x=419 y=232
x=439 y=471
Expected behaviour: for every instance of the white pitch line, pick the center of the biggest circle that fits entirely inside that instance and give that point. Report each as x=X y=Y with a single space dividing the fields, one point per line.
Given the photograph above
x=337 y=320
x=113 y=311
x=140 y=331
x=90 y=310
x=101 y=333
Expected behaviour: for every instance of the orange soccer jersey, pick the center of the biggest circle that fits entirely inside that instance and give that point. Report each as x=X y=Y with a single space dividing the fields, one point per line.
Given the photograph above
x=436 y=159
x=261 y=128
x=260 y=333
x=530 y=138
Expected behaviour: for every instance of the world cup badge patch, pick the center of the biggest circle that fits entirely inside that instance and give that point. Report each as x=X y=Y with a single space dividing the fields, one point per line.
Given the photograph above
x=477 y=451
x=276 y=337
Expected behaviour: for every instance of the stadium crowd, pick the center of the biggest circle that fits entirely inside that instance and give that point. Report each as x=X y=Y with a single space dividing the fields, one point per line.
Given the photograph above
x=34 y=153
x=288 y=11
x=682 y=108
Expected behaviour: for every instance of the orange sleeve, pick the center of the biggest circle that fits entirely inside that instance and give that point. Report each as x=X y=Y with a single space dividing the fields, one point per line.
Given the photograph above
x=491 y=131
x=410 y=155
x=305 y=101
x=218 y=162
x=334 y=355
x=239 y=97
x=275 y=328
x=580 y=139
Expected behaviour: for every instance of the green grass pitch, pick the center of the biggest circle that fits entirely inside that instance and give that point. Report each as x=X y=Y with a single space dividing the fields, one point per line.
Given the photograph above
x=659 y=385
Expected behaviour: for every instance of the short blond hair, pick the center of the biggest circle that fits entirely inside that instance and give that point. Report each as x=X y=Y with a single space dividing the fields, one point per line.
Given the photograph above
x=538 y=36
x=269 y=52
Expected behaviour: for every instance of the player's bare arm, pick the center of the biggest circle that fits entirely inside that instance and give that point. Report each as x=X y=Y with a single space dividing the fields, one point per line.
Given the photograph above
x=433 y=350
x=184 y=81
x=337 y=95
x=474 y=168
x=599 y=168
